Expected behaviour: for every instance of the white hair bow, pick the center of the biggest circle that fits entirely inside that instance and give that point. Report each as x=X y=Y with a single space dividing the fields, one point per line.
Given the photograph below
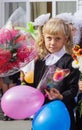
x=67 y=17
x=78 y=18
x=39 y=21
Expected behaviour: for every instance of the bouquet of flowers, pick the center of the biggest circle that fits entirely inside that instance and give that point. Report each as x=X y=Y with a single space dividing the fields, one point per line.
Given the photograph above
x=17 y=48
x=77 y=56
x=77 y=63
x=52 y=77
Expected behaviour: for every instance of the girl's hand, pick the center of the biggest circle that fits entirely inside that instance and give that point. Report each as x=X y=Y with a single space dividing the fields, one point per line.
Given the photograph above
x=53 y=93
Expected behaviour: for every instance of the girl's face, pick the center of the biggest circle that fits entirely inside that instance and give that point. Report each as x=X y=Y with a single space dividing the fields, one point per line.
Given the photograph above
x=54 y=43
x=73 y=29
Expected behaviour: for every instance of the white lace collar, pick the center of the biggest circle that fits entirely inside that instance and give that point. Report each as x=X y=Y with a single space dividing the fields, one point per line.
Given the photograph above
x=51 y=59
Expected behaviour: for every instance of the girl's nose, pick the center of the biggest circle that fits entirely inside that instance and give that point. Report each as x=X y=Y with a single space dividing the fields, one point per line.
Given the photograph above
x=53 y=41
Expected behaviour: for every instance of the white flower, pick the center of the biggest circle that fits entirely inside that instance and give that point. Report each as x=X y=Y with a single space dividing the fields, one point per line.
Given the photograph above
x=79 y=59
x=78 y=63
x=80 y=69
x=75 y=64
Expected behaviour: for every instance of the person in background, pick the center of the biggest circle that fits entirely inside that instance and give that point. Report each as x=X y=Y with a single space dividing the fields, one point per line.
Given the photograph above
x=77 y=20
x=7 y=83
x=54 y=45
x=78 y=115
x=74 y=24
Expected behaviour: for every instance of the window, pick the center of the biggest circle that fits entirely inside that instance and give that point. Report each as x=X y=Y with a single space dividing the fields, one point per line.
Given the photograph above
x=65 y=6
x=34 y=8
x=38 y=8
x=11 y=7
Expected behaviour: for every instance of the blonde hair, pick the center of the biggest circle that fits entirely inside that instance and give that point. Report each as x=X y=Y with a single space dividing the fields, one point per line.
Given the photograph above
x=54 y=26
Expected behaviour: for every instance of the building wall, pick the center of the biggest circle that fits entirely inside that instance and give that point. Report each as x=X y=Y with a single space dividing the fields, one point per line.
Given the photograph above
x=1 y=14
x=79 y=6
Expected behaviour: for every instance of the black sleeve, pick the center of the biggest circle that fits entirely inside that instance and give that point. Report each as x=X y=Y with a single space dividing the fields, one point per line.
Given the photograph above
x=71 y=84
x=69 y=87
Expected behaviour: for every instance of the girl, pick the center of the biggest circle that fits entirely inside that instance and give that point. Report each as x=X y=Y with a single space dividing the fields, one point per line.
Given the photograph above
x=54 y=44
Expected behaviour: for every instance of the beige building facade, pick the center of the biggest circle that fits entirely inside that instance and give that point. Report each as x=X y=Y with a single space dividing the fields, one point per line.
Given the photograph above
x=34 y=8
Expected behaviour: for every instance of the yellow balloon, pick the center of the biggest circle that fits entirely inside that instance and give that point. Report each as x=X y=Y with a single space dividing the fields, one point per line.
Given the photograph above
x=29 y=77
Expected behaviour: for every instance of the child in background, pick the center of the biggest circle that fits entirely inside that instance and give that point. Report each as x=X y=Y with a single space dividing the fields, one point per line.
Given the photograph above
x=54 y=44
x=7 y=83
x=10 y=81
x=74 y=25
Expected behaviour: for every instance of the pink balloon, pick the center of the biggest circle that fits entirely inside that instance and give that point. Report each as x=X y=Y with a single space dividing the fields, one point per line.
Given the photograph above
x=21 y=102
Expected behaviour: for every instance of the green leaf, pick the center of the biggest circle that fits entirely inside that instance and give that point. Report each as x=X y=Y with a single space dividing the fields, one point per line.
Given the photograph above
x=29 y=29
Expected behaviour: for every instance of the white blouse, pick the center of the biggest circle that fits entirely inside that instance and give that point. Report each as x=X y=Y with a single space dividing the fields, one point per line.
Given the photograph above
x=51 y=59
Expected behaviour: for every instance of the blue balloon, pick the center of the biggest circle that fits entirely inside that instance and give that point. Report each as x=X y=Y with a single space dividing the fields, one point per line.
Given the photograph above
x=52 y=116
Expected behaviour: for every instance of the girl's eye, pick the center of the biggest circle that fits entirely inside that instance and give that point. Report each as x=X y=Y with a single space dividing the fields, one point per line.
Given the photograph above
x=58 y=38
x=49 y=38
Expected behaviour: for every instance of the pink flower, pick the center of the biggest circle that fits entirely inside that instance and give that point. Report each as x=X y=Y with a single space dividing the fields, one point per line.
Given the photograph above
x=60 y=74
x=7 y=35
x=16 y=49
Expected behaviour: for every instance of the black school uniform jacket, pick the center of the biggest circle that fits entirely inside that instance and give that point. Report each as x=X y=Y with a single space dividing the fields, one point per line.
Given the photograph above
x=68 y=87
